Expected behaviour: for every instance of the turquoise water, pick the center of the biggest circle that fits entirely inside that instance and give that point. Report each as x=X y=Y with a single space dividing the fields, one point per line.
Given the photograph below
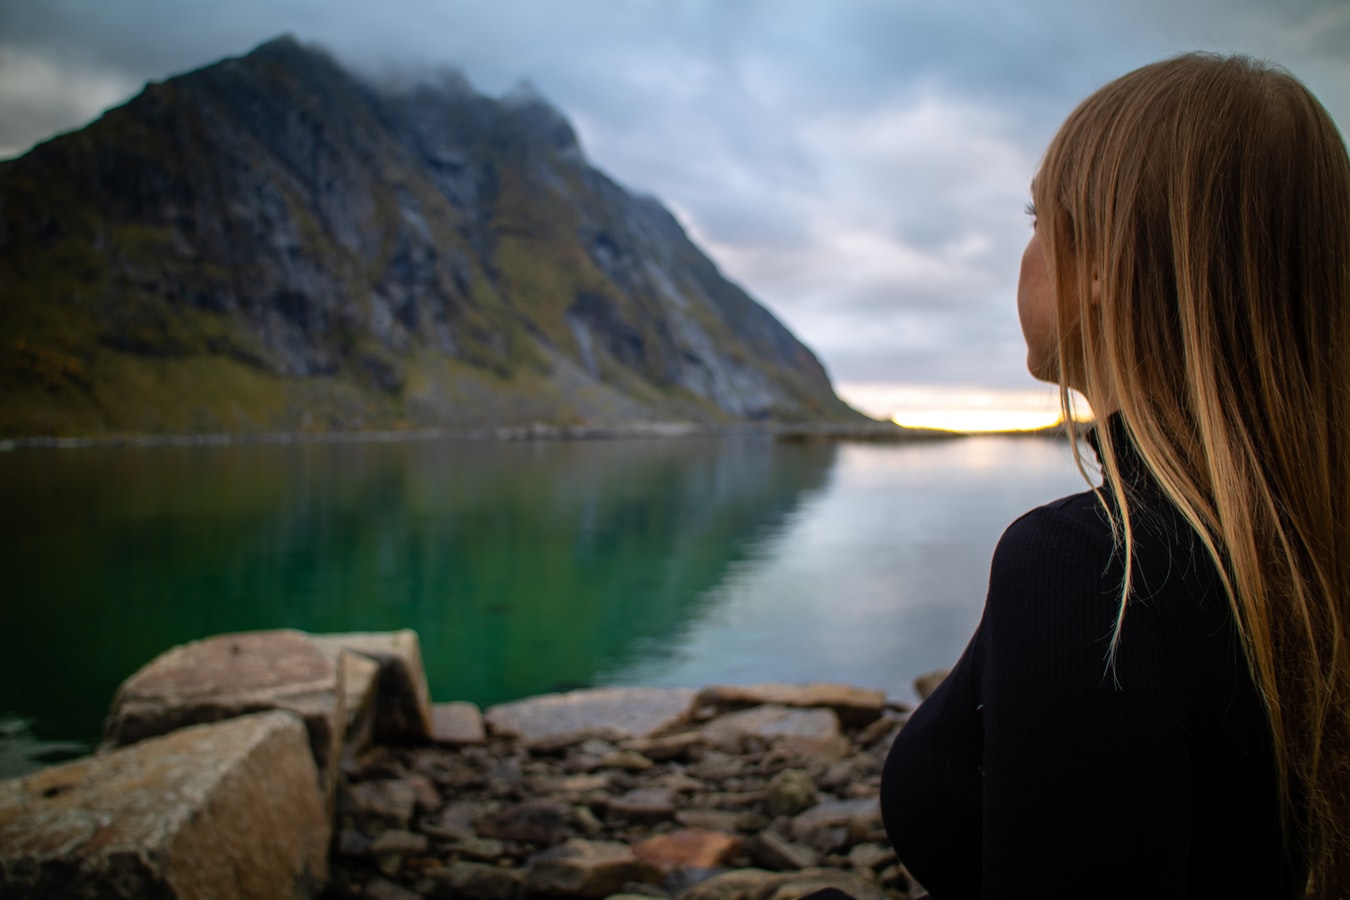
x=525 y=567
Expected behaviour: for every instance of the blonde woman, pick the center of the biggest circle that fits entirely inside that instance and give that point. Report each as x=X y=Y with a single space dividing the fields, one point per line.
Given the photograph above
x=1157 y=700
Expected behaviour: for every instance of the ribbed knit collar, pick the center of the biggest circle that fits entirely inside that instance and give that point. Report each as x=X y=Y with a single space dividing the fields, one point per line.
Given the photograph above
x=1132 y=468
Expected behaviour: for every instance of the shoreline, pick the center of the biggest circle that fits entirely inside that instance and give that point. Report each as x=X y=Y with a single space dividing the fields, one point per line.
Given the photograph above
x=875 y=432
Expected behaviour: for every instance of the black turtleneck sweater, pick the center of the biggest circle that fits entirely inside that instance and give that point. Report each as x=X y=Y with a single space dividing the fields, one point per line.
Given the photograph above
x=1035 y=770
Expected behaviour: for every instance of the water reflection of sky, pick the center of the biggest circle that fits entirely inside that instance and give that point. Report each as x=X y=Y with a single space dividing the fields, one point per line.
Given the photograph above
x=875 y=579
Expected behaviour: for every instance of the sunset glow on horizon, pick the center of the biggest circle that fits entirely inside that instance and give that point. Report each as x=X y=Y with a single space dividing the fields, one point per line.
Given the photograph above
x=956 y=409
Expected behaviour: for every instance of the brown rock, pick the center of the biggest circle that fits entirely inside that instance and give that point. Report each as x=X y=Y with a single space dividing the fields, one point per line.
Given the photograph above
x=854 y=706
x=457 y=723
x=544 y=821
x=789 y=792
x=663 y=749
x=580 y=868
x=482 y=882
x=402 y=703
x=617 y=713
x=643 y=805
x=689 y=848
x=380 y=889
x=628 y=760
x=427 y=798
x=738 y=884
x=870 y=856
x=358 y=678
x=769 y=723
x=223 y=810
x=481 y=849
x=799 y=884
x=708 y=819
x=391 y=801
x=928 y=682
x=234 y=675
x=836 y=824
x=401 y=843
x=771 y=851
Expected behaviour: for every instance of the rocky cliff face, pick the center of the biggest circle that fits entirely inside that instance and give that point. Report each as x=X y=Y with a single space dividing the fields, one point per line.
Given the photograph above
x=271 y=243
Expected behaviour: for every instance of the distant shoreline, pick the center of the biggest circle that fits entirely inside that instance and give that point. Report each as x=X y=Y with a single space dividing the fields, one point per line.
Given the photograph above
x=875 y=432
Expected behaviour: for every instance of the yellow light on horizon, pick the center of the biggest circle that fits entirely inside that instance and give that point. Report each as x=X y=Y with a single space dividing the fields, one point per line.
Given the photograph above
x=975 y=421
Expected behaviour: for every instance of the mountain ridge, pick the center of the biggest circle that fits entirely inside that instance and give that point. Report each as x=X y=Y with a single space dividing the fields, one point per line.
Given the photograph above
x=270 y=243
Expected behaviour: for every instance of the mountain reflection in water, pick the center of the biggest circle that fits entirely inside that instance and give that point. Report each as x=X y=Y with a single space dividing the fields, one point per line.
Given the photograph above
x=524 y=567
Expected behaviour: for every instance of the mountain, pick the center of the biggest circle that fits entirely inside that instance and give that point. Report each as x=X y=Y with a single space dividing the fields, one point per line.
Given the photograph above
x=271 y=243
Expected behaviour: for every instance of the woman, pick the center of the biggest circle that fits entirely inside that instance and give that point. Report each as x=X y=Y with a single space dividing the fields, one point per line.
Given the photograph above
x=1157 y=700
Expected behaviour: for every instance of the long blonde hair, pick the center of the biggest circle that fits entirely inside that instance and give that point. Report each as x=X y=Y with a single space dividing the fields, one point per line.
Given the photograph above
x=1197 y=228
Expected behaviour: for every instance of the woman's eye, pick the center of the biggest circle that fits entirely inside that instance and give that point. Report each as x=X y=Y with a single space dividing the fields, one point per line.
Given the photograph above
x=1031 y=211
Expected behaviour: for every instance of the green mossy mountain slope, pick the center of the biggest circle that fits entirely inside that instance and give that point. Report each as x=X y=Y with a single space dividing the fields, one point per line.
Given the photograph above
x=273 y=244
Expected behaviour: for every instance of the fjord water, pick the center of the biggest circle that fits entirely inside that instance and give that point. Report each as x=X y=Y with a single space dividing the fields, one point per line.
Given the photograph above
x=525 y=567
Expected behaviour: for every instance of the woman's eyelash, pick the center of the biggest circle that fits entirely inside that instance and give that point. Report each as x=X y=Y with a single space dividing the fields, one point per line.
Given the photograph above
x=1031 y=210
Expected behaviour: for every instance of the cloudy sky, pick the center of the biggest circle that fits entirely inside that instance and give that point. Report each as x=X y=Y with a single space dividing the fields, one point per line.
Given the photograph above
x=860 y=166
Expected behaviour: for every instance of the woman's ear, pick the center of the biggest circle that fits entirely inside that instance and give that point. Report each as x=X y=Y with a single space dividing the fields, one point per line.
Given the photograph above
x=1095 y=291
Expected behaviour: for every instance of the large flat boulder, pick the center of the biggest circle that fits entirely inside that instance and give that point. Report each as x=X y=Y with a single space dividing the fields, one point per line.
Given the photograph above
x=402 y=698
x=855 y=706
x=612 y=713
x=225 y=810
x=770 y=724
x=234 y=675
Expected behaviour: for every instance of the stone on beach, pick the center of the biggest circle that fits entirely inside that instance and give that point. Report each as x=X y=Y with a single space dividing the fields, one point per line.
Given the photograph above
x=580 y=868
x=459 y=722
x=403 y=701
x=694 y=848
x=769 y=723
x=615 y=713
x=233 y=675
x=854 y=706
x=230 y=809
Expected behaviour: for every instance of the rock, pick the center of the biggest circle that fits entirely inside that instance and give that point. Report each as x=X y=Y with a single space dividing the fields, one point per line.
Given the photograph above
x=628 y=760
x=811 y=752
x=871 y=856
x=854 y=706
x=231 y=809
x=928 y=682
x=836 y=824
x=879 y=729
x=708 y=819
x=380 y=889
x=425 y=796
x=402 y=843
x=234 y=675
x=662 y=749
x=580 y=868
x=643 y=805
x=618 y=713
x=403 y=702
x=799 y=884
x=771 y=851
x=457 y=723
x=738 y=884
x=459 y=819
x=482 y=882
x=481 y=849
x=544 y=821
x=586 y=820
x=768 y=723
x=359 y=678
x=689 y=848
x=390 y=801
x=351 y=842
x=789 y=792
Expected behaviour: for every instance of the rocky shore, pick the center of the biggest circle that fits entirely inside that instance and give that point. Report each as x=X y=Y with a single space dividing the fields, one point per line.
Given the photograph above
x=281 y=764
x=766 y=792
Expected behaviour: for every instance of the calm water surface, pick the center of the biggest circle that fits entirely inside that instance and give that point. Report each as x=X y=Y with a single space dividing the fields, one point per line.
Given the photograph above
x=524 y=567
